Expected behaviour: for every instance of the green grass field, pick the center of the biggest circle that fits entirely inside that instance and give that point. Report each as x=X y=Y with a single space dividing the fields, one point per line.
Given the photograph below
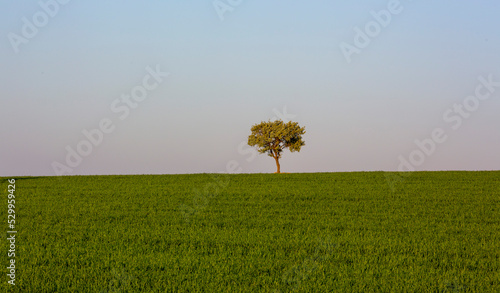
x=322 y=232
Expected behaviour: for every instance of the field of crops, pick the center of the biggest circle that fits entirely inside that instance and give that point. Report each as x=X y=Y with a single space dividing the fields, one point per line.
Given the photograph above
x=313 y=232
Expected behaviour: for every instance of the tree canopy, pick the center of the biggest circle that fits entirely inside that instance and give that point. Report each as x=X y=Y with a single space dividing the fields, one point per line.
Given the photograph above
x=273 y=137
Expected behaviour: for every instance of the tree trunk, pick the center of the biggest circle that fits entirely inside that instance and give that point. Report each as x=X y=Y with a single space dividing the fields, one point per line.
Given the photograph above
x=277 y=164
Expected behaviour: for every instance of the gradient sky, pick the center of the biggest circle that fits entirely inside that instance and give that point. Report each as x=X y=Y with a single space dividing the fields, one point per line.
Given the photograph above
x=228 y=74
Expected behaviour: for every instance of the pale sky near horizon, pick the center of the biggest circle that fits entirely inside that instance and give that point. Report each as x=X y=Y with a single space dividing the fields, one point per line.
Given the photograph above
x=417 y=70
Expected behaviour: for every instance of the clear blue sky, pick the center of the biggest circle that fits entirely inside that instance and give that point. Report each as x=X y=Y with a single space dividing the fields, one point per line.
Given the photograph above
x=231 y=69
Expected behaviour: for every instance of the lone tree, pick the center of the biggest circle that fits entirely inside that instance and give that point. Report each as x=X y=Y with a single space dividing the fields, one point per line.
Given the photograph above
x=273 y=137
